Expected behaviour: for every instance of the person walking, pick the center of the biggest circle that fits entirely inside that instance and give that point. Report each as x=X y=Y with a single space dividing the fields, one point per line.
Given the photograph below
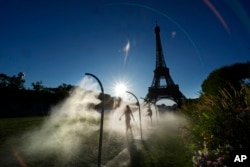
x=150 y=113
x=128 y=114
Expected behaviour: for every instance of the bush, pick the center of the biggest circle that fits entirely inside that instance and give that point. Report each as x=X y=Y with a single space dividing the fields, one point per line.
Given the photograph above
x=220 y=121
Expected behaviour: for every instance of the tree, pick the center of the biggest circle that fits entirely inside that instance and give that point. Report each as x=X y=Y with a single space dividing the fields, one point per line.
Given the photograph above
x=65 y=87
x=62 y=91
x=17 y=82
x=37 y=86
x=235 y=75
x=4 y=80
x=14 y=82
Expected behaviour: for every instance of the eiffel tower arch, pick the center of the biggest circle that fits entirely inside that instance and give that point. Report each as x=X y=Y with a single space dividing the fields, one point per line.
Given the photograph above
x=163 y=86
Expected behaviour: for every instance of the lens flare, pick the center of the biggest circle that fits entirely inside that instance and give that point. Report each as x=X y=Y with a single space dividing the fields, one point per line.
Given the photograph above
x=217 y=14
x=240 y=12
x=126 y=49
x=19 y=159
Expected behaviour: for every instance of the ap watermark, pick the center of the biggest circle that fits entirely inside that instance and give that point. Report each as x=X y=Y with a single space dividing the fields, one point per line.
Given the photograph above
x=240 y=158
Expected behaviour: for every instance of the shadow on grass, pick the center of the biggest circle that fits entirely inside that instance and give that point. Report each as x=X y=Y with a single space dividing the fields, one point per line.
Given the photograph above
x=140 y=155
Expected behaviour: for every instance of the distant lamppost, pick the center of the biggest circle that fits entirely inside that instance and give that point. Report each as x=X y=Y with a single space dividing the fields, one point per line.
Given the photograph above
x=139 y=110
x=101 y=125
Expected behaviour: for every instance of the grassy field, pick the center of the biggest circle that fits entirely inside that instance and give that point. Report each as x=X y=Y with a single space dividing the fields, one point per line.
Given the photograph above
x=161 y=146
x=13 y=133
x=11 y=130
x=16 y=126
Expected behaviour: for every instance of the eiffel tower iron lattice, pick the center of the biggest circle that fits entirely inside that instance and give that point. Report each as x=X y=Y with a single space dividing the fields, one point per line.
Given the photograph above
x=162 y=90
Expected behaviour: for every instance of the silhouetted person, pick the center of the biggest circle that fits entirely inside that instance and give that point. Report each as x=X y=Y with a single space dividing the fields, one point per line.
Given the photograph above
x=150 y=113
x=128 y=113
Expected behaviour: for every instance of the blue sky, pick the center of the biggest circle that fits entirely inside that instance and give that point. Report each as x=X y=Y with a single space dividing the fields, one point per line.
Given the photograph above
x=59 y=41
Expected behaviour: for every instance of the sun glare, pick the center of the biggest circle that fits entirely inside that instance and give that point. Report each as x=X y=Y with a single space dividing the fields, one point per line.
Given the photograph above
x=120 y=89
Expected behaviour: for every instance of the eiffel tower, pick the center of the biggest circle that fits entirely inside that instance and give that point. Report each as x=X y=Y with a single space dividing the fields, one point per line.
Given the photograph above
x=160 y=90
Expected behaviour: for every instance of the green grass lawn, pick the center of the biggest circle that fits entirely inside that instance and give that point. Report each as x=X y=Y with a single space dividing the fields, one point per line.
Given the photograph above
x=11 y=127
x=13 y=130
x=159 y=148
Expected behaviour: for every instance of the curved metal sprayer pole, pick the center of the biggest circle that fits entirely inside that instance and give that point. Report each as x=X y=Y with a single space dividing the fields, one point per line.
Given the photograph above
x=101 y=125
x=139 y=110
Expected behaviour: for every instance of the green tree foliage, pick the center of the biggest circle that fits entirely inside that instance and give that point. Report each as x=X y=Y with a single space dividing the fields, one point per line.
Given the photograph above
x=18 y=101
x=234 y=75
x=63 y=90
x=220 y=121
x=14 y=82
x=4 y=80
x=37 y=86
x=65 y=87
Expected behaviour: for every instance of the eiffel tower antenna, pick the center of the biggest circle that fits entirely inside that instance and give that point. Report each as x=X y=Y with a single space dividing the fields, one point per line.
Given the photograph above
x=162 y=86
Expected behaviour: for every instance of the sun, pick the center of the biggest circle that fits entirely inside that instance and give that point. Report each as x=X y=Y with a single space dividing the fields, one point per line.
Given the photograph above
x=120 y=88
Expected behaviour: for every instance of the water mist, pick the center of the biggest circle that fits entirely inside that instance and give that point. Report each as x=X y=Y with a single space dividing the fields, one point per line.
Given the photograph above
x=70 y=123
